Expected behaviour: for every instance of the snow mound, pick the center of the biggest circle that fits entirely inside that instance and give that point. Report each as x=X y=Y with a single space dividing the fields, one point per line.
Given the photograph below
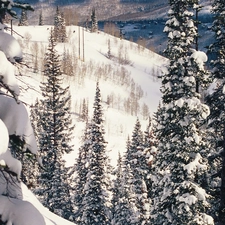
x=10 y=46
x=7 y=73
x=4 y=138
x=12 y=210
x=200 y=58
x=16 y=119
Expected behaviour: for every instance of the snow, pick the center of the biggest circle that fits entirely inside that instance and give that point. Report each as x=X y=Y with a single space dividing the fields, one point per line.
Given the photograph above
x=188 y=199
x=4 y=138
x=12 y=210
x=10 y=46
x=200 y=58
x=195 y=165
x=15 y=117
x=143 y=69
x=7 y=73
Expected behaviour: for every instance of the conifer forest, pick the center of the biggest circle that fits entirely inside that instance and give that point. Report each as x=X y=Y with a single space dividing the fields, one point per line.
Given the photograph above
x=149 y=152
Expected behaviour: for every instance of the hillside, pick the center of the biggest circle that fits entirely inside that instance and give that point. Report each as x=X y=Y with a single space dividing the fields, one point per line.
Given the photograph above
x=140 y=21
x=117 y=10
x=128 y=81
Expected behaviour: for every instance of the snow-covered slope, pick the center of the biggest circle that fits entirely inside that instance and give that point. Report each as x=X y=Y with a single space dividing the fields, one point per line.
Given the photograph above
x=137 y=73
x=129 y=76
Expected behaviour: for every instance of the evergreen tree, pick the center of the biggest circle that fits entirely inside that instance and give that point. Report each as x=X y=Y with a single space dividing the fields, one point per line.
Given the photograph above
x=59 y=26
x=67 y=64
x=95 y=203
x=135 y=157
x=109 y=54
x=217 y=117
x=94 y=22
x=150 y=144
x=80 y=170
x=55 y=137
x=41 y=22
x=124 y=208
x=181 y=166
x=23 y=18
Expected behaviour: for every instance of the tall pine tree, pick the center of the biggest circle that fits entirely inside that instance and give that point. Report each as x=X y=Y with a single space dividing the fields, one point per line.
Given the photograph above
x=59 y=26
x=217 y=117
x=94 y=207
x=94 y=22
x=124 y=199
x=178 y=189
x=23 y=19
x=136 y=159
x=55 y=137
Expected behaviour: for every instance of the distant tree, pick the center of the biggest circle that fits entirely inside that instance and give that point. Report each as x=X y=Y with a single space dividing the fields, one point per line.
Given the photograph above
x=41 y=22
x=23 y=19
x=59 y=26
x=109 y=54
x=216 y=124
x=94 y=22
x=95 y=203
x=67 y=64
x=84 y=110
x=181 y=165
x=63 y=28
x=54 y=141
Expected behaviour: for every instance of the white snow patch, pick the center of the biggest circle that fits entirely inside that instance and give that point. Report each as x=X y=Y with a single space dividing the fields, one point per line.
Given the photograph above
x=16 y=119
x=188 y=199
x=10 y=46
x=195 y=165
x=4 y=138
x=7 y=73
x=208 y=220
x=200 y=58
x=179 y=102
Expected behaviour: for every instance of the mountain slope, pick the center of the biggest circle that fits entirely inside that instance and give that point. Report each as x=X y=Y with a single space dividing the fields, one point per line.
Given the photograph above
x=133 y=84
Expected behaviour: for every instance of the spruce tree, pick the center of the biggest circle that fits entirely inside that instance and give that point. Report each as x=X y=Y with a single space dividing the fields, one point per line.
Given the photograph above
x=216 y=120
x=80 y=170
x=136 y=159
x=124 y=199
x=41 y=22
x=181 y=166
x=95 y=203
x=55 y=138
x=94 y=22
x=23 y=18
x=59 y=26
